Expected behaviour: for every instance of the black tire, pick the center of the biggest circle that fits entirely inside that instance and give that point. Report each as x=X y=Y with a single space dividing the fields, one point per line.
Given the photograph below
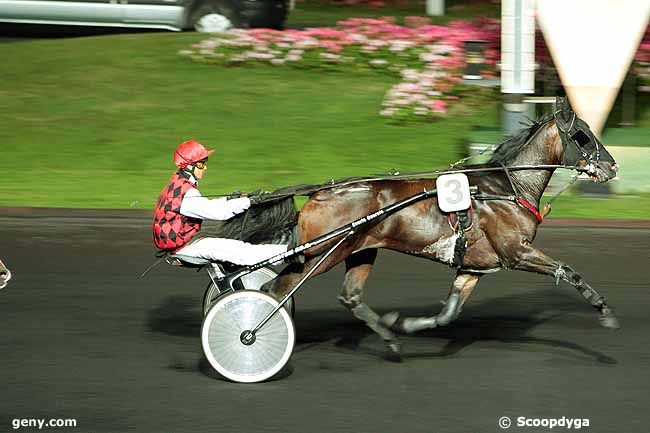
x=224 y=8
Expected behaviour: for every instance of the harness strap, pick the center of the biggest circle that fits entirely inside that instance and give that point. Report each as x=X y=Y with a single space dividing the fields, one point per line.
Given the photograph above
x=515 y=199
x=511 y=180
x=549 y=203
x=531 y=208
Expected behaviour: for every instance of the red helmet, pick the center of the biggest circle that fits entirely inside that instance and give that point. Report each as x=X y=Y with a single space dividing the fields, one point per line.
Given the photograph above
x=189 y=152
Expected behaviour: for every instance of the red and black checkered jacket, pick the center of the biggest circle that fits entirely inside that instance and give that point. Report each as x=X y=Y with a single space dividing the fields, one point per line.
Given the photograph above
x=171 y=230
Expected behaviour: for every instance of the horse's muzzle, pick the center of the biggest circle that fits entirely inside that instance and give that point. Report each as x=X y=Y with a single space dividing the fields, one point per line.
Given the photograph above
x=605 y=171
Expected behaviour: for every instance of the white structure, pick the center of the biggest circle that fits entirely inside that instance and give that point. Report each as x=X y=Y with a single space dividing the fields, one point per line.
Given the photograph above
x=436 y=7
x=518 y=46
x=593 y=43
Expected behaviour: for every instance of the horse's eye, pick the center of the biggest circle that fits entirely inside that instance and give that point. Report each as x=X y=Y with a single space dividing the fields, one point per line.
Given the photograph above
x=581 y=138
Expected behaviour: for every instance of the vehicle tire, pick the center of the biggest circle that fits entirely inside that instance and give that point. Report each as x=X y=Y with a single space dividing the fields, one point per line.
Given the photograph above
x=214 y=16
x=252 y=281
x=233 y=351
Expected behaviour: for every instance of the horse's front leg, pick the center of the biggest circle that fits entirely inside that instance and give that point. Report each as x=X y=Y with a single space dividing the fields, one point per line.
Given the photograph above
x=534 y=260
x=357 y=270
x=461 y=289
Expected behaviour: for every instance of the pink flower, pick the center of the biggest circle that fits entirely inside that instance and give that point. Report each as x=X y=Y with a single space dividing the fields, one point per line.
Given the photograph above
x=438 y=106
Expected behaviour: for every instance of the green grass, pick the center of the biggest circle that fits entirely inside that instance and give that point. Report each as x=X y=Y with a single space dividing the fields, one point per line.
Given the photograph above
x=93 y=122
x=615 y=207
x=315 y=13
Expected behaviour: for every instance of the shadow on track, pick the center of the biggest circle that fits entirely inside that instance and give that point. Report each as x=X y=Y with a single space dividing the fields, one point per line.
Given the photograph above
x=180 y=316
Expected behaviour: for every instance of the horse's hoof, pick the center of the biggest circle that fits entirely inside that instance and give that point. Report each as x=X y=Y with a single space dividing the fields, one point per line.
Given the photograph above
x=609 y=321
x=394 y=353
x=392 y=321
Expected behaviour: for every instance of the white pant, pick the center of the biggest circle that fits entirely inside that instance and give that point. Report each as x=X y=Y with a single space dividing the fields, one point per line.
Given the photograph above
x=231 y=250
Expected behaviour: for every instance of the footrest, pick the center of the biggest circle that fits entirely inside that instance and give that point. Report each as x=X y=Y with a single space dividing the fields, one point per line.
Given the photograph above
x=189 y=261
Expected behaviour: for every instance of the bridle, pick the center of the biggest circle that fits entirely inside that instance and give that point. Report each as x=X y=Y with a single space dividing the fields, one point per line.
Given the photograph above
x=578 y=139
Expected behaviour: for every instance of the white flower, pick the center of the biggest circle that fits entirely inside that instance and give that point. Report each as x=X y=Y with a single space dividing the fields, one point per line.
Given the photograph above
x=399 y=45
x=306 y=43
x=397 y=94
x=258 y=56
x=209 y=44
x=330 y=56
x=409 y=74
x=443 y=49
x=429 y=57
x=357 y=37
x=378 y=62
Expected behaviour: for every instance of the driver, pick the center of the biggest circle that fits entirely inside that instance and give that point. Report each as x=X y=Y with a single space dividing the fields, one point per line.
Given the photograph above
x=181 y=209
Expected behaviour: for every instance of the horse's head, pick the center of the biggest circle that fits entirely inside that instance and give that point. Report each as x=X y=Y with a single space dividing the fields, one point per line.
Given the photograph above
x=581 y=147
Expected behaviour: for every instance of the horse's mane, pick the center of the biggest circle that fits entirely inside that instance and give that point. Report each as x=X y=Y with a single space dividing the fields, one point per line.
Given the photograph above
x=509 y=149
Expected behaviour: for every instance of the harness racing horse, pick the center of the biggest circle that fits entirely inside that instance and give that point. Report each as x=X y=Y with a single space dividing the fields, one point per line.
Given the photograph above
x=501 y=234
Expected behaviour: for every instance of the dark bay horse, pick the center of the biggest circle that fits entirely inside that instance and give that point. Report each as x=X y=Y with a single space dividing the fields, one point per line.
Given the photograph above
x=500 y=237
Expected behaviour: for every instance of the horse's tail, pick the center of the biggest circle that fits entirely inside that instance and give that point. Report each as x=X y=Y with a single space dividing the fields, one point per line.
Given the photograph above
x=266 y=223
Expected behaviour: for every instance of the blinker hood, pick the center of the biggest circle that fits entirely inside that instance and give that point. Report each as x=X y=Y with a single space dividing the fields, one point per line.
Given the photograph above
x=579 y=142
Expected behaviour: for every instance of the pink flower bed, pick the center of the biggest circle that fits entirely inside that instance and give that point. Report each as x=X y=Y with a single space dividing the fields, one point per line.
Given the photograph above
x=641 y=67
x=428 y=58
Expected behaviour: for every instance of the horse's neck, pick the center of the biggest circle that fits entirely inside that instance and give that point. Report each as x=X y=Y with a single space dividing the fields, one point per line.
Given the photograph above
x=531 y=184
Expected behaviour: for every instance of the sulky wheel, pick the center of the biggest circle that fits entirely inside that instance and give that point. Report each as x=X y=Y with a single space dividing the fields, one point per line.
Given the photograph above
x=225 y=343
x=252 y=281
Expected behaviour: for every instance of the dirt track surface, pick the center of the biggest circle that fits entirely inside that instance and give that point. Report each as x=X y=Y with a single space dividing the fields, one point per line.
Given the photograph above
x=83 y=337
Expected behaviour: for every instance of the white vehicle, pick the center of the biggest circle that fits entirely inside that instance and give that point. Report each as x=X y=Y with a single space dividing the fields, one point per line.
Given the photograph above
x=176 y=15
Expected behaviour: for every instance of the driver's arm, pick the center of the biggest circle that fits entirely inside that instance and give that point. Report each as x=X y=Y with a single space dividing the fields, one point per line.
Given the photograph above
x=196 y=206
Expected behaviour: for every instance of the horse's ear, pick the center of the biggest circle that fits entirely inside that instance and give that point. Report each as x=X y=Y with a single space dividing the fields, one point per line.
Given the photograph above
x=563 y=105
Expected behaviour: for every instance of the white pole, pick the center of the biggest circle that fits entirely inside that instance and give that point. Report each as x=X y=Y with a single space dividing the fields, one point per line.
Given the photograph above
x=518 y=46
x=517 y=60
x=436 y=7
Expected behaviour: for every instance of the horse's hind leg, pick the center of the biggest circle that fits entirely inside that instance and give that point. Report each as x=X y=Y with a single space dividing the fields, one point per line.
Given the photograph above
x=358 y=268
x=533 y=260
x=461 y=289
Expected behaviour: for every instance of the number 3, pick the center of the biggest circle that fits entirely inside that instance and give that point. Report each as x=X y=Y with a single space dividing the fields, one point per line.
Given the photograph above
x=453 y=192
x=455 y=186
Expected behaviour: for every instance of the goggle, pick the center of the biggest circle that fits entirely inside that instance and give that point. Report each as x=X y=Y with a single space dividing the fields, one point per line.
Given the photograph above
x=201 y=164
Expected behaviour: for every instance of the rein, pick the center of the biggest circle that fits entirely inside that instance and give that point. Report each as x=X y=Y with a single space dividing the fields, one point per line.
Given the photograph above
x=564 y=133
